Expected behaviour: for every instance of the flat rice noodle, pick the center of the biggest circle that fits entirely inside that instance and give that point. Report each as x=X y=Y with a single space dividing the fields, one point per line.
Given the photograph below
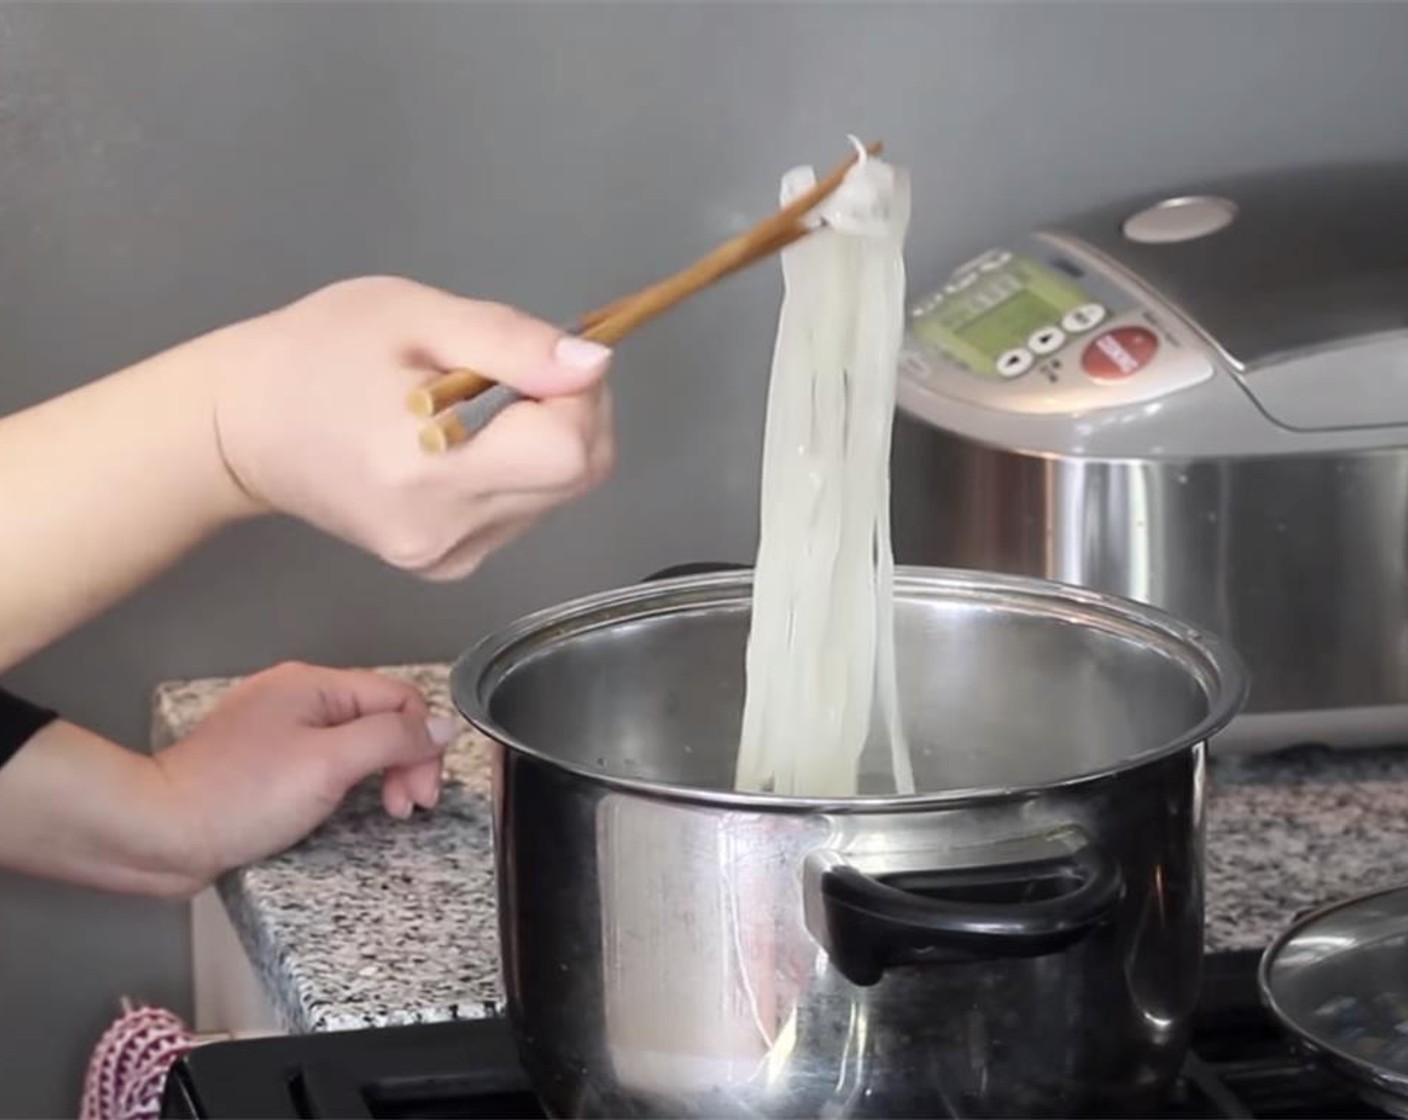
x=820 y=663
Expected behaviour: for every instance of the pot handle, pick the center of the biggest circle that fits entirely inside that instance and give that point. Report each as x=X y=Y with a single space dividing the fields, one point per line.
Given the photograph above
x=696 y=568
x=1025 y=909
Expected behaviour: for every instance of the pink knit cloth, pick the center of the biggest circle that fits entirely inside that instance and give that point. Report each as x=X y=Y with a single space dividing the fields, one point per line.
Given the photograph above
x=128 y=1069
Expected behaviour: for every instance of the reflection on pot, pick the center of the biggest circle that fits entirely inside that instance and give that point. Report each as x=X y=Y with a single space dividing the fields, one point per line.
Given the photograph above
x=1027 y=945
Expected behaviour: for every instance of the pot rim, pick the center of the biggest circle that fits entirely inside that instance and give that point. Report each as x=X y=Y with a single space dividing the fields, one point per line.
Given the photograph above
x=1219 y=670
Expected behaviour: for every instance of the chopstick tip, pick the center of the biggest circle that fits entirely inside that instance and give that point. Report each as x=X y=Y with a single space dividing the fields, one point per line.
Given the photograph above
x=434 y=440
x=421 y=402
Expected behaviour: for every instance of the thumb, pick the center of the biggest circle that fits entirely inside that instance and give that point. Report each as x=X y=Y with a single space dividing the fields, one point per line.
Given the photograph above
x=361 y=747
x=505 y=344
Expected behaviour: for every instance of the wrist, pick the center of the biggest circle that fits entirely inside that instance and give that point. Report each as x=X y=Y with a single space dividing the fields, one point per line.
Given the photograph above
x=176 y=849
x=75 y=806
x=235 y=359
x=193 y=374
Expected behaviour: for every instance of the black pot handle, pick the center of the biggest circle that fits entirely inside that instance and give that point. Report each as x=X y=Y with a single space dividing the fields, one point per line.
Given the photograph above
x=698 y=568
x=1026 y=909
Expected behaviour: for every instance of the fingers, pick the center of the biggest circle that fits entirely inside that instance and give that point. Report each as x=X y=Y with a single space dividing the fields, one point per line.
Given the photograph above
x=335 y=696
x=419 y=783
x=353 y=751
x=396 y=796
x=366 y=693
x=508 y=514
x=370 y=723
x=423 y=782
x=565 y=444
x=404 y=787
x=502 y=518
x=601 y=457
x=462 y=561
x=532 y=446
x=500 y=342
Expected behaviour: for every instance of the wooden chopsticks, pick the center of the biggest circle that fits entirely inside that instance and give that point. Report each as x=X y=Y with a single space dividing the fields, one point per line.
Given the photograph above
x=460 y=402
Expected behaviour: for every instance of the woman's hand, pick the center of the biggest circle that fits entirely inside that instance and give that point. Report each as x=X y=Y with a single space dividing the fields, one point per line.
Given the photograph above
x=310 y=408
x=303 y=411
x=282 y=749
x=267 y=766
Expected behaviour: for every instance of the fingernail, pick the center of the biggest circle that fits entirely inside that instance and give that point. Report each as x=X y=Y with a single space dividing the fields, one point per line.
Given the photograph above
x=402 y=805
x=581 y=353
x=442 y=729
x=428 y=792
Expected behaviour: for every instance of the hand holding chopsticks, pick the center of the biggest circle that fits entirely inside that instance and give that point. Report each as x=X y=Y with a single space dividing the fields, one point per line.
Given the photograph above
x=462 y=401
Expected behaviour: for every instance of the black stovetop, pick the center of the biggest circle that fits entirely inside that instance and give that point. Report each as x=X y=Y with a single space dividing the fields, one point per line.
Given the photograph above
x=1241 y=1066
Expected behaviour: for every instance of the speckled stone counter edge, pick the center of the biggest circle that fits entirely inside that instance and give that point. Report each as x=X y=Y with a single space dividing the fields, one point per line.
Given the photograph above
x=174 y=708
x=256 y=898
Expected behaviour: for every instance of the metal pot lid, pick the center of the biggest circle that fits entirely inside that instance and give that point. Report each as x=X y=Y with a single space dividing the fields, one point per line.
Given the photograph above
x=1337 y=980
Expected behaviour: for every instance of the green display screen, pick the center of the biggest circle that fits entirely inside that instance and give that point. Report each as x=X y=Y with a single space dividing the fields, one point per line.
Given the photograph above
x=1009 y=324
x=999 y=311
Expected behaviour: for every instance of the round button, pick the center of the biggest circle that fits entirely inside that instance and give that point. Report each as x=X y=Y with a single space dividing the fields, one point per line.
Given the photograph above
x=1084 y=317
x=1180 y=219
x=1014 y=362
x=926 y=305
x=960 y=282
x=1119 y=353
x=1047 y=340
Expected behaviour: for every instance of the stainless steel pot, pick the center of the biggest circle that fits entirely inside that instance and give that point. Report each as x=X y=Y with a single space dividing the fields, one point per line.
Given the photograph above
x=1021 y=938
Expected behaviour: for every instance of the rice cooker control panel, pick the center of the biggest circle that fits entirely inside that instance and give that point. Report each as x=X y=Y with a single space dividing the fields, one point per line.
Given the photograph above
x=1036 y=329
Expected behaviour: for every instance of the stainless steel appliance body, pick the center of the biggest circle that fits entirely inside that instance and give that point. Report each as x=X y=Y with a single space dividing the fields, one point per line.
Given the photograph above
x=1022 y=937
x=1199 y=402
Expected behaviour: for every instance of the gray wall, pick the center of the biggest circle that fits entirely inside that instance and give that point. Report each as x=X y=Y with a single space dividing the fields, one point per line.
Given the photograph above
x=165 y=168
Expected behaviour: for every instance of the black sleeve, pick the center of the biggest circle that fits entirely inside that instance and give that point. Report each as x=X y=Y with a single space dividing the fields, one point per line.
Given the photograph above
x=19 y=721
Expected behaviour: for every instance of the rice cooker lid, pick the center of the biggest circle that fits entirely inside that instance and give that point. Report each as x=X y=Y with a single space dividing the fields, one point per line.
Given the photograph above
x=1299 y=279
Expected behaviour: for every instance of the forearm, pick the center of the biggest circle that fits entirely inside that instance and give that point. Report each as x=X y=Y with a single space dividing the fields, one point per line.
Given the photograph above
x=104 y=487
x=78 y=808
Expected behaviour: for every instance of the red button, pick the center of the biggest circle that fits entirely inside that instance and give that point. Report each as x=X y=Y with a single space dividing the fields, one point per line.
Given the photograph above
x=1120 y=353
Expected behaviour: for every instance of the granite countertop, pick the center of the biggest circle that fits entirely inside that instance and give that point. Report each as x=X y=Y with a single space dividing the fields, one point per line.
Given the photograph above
x=373 y=921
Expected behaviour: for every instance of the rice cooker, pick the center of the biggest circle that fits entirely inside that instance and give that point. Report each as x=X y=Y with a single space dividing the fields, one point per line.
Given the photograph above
x=1198 y=400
